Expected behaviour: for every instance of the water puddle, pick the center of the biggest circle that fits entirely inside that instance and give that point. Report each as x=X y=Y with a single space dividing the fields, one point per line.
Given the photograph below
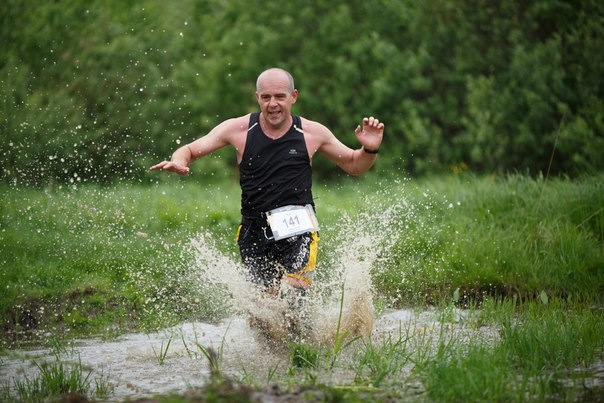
x=133 y=367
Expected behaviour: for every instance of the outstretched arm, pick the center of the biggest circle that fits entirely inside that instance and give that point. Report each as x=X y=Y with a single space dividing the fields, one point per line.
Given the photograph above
x=355 y=162
x=181 y=159
x=228 y=132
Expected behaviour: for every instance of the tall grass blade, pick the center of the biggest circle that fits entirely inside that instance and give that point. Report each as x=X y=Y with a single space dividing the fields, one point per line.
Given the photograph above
x=161 y=355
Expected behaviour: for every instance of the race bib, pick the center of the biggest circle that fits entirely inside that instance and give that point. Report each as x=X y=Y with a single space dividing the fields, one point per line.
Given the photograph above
x=292 y=220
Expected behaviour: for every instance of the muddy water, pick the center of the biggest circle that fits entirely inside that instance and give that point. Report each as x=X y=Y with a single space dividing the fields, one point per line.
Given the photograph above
x=131 y=365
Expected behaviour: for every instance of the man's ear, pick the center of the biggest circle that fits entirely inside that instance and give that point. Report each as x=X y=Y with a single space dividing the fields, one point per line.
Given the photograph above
x=294 y=96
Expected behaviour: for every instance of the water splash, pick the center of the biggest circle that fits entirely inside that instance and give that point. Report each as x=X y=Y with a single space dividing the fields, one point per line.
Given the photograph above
x=364 y=241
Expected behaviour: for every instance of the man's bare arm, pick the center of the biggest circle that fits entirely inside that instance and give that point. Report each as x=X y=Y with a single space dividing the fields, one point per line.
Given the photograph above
x=228 y=132
x=355 y=162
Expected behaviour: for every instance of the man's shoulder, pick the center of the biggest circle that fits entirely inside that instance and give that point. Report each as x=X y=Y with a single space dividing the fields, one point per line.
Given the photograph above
x=235 y=125
x=313 y=127
x=316 y=131
x=237 y=121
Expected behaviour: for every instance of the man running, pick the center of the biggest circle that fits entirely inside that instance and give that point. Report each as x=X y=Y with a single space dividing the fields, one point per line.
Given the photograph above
x=278 y=237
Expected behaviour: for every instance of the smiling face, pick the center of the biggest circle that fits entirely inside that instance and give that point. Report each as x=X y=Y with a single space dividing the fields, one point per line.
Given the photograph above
x=275 y=95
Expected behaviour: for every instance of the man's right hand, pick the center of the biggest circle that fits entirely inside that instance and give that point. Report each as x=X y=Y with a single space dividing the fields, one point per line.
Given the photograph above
x=171 y=166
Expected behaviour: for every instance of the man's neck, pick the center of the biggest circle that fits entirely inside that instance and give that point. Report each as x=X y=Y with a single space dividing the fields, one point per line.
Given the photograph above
x=275 y=132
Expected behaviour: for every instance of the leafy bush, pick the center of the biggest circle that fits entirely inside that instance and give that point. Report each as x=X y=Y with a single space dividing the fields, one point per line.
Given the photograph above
x=97 y=91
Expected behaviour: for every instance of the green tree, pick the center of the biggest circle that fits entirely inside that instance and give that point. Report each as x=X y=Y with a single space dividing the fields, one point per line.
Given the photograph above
x=98 y=90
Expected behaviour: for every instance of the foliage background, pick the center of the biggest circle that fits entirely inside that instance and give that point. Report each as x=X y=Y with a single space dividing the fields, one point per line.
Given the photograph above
x=98 y=90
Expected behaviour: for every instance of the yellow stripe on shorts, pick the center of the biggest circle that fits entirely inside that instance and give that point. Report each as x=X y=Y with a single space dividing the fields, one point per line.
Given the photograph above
x=307 y=273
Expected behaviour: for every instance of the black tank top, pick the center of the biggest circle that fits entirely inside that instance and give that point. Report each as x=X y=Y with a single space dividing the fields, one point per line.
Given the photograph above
x=274 y=173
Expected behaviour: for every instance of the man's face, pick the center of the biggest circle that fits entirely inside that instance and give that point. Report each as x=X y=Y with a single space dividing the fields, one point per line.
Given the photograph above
x=275 y=98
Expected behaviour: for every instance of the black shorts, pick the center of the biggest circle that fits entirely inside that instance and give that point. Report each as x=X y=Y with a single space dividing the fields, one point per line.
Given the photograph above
x=268 y=261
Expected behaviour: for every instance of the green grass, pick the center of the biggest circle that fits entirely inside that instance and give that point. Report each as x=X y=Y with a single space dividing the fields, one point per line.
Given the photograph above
x=378 y=362
x=516 y=236
x=56 y=379
x=305 y=355
x=162 y=352
x=94 y=259
x=551 y=337
x=544 y=353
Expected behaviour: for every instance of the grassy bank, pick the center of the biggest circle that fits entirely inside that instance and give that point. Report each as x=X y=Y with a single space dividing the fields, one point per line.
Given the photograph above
x=516 y=236
x=99 y=259
x=93 y=259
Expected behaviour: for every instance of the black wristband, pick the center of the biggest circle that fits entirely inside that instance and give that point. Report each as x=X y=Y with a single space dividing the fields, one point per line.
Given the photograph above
x=370 y=151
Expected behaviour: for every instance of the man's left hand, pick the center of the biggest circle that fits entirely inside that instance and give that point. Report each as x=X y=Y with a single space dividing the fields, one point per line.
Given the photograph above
x=371 y=134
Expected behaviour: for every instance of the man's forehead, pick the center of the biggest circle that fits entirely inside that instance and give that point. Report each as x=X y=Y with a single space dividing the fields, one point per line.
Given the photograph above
x=273 y=81
x=273 y=90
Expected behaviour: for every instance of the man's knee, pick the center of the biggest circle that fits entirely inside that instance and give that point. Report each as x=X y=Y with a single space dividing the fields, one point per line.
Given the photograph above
x=297 y=281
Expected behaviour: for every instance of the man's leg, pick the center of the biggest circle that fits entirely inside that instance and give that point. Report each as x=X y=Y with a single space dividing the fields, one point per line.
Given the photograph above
x=297 y=258
x=253 y=251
